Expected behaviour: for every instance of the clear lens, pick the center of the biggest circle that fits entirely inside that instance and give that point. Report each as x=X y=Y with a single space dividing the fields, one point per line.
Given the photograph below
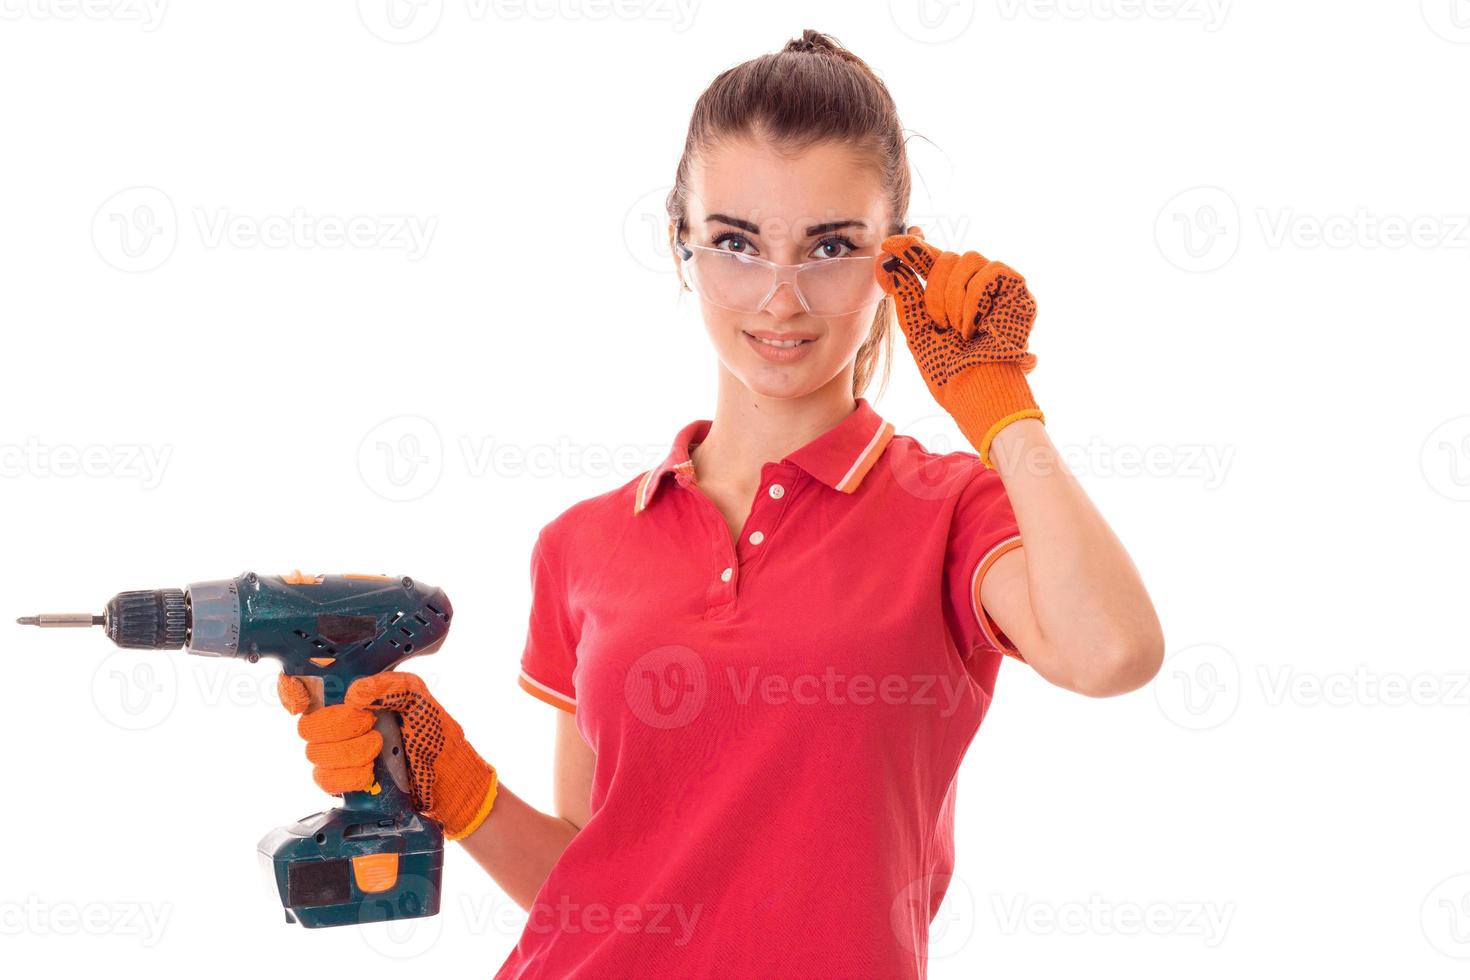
x=833 y=287
x=744 y=283
x=730 y=280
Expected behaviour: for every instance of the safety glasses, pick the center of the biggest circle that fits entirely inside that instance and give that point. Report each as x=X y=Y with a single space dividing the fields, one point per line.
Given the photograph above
x=745 y=283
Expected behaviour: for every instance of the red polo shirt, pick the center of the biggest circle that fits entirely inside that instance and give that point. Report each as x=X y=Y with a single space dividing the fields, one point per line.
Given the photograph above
x=778 y=718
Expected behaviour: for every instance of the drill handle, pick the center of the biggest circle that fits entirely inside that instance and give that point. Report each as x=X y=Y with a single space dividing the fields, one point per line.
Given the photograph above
x=390 y=769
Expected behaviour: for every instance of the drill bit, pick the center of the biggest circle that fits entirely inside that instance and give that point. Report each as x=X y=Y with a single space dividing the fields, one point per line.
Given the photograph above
x=61 y=619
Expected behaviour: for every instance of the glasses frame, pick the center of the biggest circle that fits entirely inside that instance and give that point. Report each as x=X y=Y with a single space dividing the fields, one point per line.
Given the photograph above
x=781 y=273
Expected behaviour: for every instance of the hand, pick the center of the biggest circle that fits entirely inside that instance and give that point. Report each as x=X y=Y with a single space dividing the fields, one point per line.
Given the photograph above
x=450 y=782
x=967 y=326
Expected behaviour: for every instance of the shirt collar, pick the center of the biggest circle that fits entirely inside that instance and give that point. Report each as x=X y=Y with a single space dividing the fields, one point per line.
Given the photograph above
x=839 y=457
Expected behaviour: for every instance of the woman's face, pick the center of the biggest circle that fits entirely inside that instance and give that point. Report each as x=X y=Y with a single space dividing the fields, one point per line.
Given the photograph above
x=823 y=204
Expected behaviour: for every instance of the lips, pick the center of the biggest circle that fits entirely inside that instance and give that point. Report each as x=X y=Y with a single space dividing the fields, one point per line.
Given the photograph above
x=780 y=341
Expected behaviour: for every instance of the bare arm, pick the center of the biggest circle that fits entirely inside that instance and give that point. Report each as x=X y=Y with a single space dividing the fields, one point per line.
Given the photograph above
x=518 y=844
x=1070 y=599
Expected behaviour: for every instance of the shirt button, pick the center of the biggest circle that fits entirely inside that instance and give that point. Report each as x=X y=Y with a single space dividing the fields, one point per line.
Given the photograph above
x=776 y=491
x=756 y=537
x=725 y=575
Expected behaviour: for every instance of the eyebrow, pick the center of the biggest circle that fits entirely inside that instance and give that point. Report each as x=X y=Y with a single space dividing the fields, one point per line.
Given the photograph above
x=811 y=231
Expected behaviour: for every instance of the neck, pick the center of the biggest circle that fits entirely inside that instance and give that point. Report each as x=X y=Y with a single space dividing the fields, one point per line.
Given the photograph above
x=749 y=429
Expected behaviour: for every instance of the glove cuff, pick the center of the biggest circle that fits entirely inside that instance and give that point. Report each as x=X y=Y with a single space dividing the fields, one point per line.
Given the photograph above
x=987 y=397
x=464 y=791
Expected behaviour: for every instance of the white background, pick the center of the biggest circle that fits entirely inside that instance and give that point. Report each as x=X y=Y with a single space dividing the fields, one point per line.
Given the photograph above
x=1246 y=226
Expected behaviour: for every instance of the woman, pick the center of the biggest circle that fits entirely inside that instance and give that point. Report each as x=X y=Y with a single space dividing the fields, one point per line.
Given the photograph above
x=772 y=650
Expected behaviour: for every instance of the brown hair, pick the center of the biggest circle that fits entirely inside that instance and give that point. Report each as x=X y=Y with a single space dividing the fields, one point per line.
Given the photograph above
x=811 y=90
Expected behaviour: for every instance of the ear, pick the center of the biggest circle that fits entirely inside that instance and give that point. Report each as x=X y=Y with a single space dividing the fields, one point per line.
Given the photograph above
x=678 y=262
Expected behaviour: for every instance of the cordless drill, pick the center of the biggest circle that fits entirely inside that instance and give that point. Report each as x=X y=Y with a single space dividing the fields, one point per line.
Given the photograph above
x=373 y=858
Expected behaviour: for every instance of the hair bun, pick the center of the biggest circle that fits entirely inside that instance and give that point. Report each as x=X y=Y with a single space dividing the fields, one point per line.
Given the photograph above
x=811 y=40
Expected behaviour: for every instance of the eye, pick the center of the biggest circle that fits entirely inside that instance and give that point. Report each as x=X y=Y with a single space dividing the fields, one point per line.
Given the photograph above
x=733 y=236
x=825 y=248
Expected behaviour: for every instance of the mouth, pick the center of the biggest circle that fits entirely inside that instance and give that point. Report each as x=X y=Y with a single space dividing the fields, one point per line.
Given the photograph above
x=780 y=344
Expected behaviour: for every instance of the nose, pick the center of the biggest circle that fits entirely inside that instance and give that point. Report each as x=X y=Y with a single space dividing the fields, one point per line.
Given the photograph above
x=783 y=304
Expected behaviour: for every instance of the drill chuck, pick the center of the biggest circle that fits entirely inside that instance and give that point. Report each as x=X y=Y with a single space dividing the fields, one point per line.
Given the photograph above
x=148 y=619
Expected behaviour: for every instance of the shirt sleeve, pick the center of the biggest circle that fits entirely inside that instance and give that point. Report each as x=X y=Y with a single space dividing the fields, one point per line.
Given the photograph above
x=982 y=528
x=549 y=660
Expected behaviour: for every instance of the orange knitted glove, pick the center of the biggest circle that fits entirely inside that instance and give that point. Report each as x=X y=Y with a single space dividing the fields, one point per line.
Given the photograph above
x=451 y=783
x=967 y=326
